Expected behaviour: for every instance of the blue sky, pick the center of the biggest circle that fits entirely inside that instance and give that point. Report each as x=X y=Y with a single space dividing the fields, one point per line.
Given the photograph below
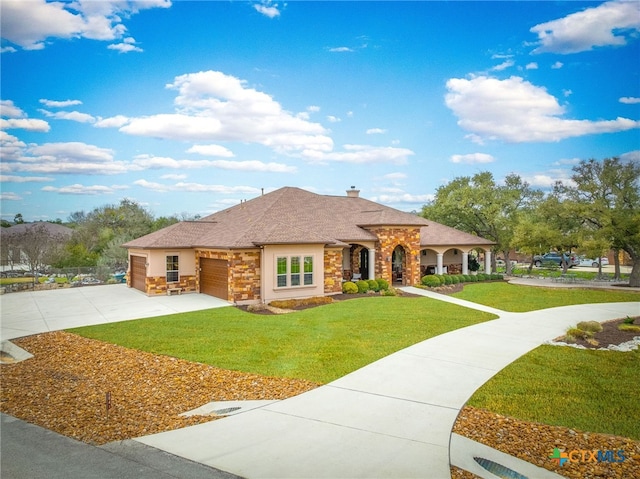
x=192 y=106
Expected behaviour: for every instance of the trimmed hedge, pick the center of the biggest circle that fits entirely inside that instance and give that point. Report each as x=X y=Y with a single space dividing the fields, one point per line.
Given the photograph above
x=431 y=280
x=383 y=284
x=349 y=287
x=373 y=285
x=363 y=286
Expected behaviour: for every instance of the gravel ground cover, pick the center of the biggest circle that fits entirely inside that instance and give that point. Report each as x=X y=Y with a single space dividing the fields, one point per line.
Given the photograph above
x=64 y=386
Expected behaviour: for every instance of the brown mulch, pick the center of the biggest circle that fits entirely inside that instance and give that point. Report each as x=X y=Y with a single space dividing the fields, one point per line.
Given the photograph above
x=64 y=388
x=610 y=334
x=534 y=443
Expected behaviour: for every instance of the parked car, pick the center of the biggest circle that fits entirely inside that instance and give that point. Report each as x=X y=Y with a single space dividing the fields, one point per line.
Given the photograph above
x=554 y=257
x=593 y=263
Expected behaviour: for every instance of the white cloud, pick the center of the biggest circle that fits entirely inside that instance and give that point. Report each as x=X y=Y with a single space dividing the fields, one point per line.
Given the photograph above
x=10 y=196
x=24 y=124
x=69 y=115
x=126 y=46
x=340 y=49
x=157 y=162
x=8 y=109
x=631 y=156
x=557 y=65
x=267 y=9
x=472 y=158
x=546 y=180
x=531 y=66
x=112 y=122
x=333 y=119
x=78 y=189
x=395 y=176
x=504 y=65
x=24 y=179
x=376 y=131
x=313 y=108
x=567 y=92
x=59 y=104
x=604 y=25
x=64 y=158
x=359 y=154
x=517 y=111
x=213 y=106
x=11 y=147
x=197 y=188
x=629 y=100
x=30 y=24
x=403 y=198
x=173 y=176
x=211 y=150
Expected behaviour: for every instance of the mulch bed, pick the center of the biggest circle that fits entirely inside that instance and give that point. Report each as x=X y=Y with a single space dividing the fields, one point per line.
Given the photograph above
x=610 y=334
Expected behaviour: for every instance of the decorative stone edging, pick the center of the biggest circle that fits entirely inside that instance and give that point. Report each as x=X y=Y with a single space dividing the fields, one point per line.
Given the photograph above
x=623 y=347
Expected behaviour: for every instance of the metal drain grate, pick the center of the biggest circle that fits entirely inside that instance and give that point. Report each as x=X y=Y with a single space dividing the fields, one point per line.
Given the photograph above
x=227 y=410
x=498 y=469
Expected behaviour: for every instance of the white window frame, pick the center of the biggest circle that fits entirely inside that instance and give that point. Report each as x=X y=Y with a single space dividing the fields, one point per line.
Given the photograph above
x=297 y=273
x=172 y=271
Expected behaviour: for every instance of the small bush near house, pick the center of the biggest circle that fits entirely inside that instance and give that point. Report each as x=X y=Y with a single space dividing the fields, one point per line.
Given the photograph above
x=481 y=277
x=473 y=278
x=349 y=288
x=363 y=286
x=455 y=279
x=497 y=276
x=373 y=285
x=590 y=326
x=294 y=303
x=431 y=280
x=577 y=333
x=467 y=278
x=448 y=279
x=441 y=278
x=388 y=292
x=383 y=284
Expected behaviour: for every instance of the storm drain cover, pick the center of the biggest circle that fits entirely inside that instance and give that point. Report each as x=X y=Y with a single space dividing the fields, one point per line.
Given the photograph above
x=227 y=410
x=498 y=469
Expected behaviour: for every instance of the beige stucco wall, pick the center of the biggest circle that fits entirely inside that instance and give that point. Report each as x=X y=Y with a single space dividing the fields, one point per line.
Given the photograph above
x=269 y=255
x=157 y=260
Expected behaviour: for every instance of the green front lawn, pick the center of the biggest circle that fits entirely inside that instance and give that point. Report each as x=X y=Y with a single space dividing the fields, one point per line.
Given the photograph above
x=520 y=298
x=593 y=391
x=318 y=344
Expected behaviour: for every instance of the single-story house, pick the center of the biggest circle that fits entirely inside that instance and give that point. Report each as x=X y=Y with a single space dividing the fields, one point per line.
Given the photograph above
x=291 y=243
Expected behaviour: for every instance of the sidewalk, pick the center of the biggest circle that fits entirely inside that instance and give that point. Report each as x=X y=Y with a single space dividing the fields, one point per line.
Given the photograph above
x=392 y=418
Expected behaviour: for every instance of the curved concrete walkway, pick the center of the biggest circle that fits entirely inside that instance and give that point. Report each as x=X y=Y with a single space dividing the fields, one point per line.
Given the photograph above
x=392 y=418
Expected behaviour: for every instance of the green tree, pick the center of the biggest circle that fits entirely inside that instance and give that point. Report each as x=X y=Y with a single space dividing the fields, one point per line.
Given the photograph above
x=480 y=206
x=606 y=195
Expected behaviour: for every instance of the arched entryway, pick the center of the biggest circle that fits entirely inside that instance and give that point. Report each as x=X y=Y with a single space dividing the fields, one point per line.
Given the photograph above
x=398 y=265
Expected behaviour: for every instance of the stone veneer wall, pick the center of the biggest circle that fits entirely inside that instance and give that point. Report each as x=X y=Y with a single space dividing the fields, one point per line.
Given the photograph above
x=244 y=280
x=158 y=284
x=243 y=273
x=332 y=271
x=388 y=238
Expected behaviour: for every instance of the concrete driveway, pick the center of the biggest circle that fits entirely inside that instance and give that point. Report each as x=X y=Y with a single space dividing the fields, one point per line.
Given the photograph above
x=27 y=313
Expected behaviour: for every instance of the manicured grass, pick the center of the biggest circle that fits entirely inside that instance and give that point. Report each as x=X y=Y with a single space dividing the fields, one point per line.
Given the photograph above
x=318 y=344
x=520 y=298
x=595 y=391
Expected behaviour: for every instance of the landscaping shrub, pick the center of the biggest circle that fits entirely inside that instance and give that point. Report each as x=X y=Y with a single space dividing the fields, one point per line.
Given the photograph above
x=455 y=279
x=461 y=278
x=293 y=303
x=497 y=276
x=448 y=279
x=578 y=333
x=383 y=284
x=467 y=278
x=441 y=278
x=431 y=280
x=363 y=286
x=373 y=285
x=590 y=326
x=473 y=278
x=349 y=287
x=629 y=327
x=389 y=292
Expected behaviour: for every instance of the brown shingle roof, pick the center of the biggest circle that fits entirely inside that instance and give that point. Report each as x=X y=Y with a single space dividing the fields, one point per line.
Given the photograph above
x=287 y=216
x=437 y=234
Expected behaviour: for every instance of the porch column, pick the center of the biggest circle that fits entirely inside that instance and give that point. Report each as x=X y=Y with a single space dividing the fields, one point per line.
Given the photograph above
x=487 y=262
x=465 y=263
x=439 y=263
x=372 y=263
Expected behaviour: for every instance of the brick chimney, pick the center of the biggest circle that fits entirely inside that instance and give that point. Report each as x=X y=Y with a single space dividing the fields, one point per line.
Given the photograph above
x=353 y=193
